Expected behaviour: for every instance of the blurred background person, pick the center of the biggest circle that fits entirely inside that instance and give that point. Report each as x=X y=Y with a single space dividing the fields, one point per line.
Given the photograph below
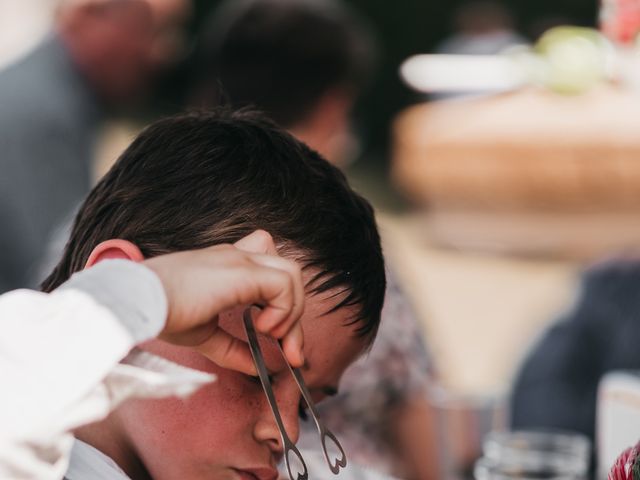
x=304 y=62
x=483 y=27
x=22 y=26
x=101 y=54
x=480 y=27
x=557 y=385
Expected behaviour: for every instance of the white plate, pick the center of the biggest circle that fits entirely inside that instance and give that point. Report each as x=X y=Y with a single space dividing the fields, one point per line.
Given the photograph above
x=461 y=73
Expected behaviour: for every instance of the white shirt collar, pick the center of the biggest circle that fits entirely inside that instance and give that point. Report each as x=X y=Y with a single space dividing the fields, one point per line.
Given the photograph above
x=88 y=463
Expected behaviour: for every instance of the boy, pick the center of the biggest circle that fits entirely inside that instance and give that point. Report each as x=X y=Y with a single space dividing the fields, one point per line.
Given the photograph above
x=177 y=297
x=304 y=64
x=203 y=179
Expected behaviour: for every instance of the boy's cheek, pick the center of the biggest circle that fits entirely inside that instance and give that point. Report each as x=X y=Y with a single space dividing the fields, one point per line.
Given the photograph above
x=210 y=420
x=232 y=396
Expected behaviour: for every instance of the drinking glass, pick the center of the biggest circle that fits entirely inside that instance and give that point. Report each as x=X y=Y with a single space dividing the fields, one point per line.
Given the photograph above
x=532 y=455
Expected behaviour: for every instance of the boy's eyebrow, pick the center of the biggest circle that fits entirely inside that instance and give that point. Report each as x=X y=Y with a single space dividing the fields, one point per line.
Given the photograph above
x=328 y=391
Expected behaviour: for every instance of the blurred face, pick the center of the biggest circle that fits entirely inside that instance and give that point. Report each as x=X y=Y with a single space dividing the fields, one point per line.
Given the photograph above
x=226 y=430
x=121 y=44
x=327 y=129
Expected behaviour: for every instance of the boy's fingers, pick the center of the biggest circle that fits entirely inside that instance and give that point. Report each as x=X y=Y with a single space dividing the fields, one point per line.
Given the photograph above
x=293 y=292
x=292 y=346
x=241 y=278
x=260 y=244
x=228 y=352
x=247 y=284
x=259 y=241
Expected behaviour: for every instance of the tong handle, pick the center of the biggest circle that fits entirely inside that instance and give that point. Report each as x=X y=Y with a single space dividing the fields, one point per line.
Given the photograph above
x=258 y=359
x=298 y=476
x=339 y=462
x=323 y=431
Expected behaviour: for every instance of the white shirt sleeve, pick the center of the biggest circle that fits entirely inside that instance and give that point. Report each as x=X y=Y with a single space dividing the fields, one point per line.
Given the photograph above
x=59 y=362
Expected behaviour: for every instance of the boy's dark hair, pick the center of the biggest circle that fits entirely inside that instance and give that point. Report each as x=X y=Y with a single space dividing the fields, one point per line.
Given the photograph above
x=281 y=56
x=201 y=179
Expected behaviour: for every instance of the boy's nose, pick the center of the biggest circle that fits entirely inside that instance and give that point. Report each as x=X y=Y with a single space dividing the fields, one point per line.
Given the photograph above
x=266 y=429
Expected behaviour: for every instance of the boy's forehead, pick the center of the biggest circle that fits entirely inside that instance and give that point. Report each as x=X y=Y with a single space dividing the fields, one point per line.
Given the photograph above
x=327 y=332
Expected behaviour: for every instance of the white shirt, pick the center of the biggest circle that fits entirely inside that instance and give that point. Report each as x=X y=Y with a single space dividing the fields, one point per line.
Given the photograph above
x=66 y=360
x=90 y=463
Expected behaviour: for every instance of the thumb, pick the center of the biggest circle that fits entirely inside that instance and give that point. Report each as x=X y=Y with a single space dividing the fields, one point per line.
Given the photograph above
x=229 y=352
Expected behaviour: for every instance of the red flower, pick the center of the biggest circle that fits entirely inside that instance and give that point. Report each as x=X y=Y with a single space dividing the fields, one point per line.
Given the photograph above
x=623 y=469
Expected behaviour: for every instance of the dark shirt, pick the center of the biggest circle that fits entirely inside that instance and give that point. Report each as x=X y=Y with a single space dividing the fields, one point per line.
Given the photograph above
x=557 y=385
x=48 y=121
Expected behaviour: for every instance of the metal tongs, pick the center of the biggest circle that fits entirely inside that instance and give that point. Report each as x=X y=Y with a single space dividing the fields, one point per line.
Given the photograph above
x=288 y=445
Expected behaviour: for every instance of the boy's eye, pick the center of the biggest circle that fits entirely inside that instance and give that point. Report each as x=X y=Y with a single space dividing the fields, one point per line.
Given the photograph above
x=302 y=411
x=256 y=380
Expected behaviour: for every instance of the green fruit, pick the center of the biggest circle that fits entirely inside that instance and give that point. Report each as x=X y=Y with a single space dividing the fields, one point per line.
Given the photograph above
x=575 y=58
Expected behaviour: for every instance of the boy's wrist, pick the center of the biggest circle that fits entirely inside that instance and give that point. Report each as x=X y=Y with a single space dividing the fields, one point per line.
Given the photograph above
x=132 y=291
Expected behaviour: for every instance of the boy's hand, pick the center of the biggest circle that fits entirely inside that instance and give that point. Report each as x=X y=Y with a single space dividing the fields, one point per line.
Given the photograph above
x=201 y=284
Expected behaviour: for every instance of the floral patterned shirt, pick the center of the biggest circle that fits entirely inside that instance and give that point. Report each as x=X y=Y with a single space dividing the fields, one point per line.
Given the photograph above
x=396 y=367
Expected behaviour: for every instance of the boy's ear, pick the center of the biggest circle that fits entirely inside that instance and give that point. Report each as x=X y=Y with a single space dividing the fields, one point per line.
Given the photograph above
x=114 y=248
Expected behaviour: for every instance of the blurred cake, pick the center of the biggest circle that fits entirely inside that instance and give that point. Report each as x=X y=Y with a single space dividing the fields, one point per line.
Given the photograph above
x=527 y=171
